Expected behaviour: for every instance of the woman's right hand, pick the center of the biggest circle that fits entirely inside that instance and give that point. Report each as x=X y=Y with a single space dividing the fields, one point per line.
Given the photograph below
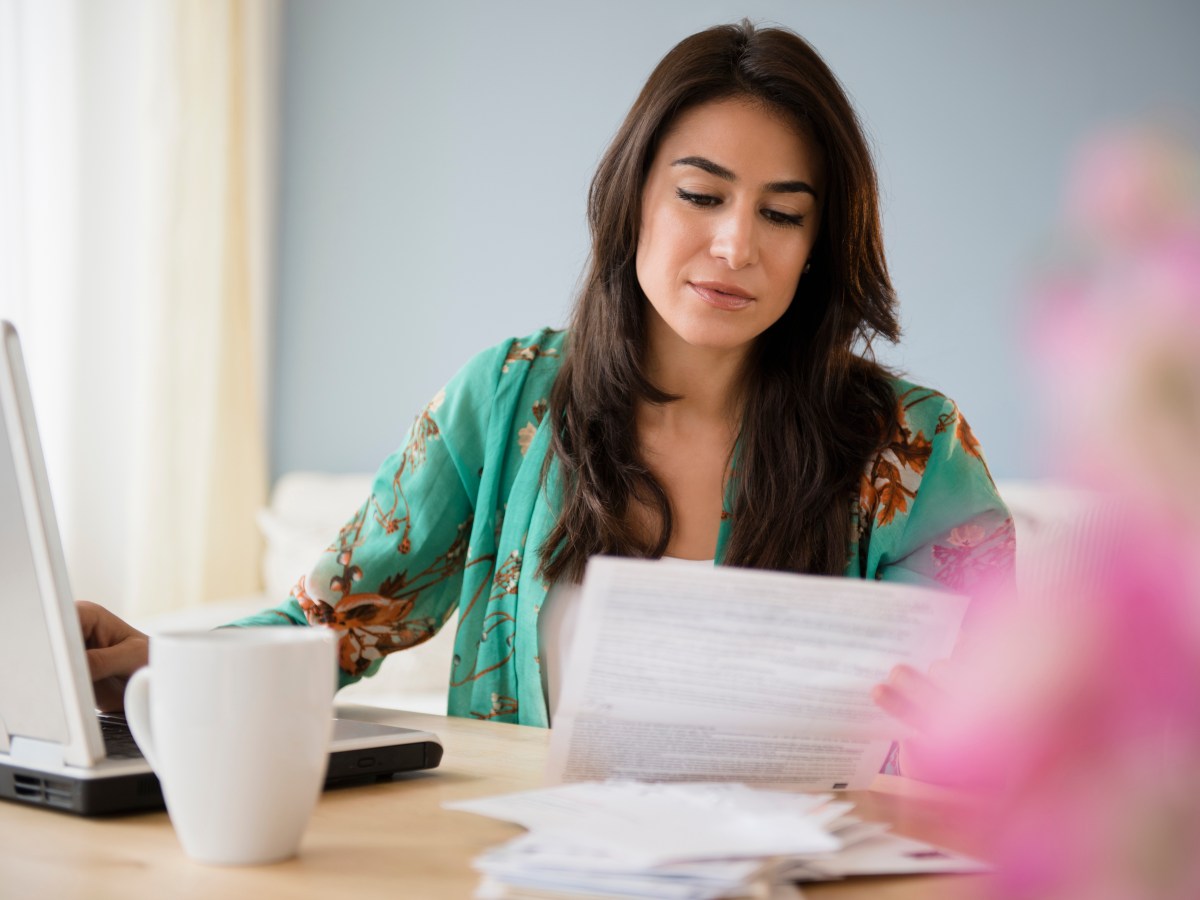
x=115 y=650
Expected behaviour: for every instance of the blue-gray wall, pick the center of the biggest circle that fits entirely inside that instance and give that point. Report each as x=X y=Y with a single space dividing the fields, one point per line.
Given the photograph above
x=435 y=159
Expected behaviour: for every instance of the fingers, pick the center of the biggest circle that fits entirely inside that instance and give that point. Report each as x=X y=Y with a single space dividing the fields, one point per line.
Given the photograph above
x=920 y=703
x=118 y=661
x=110 y=694
x=100 y=627
x=909 y=697
x=897 y=705
x=919 y=760
x=115 y=649
x=110 y=669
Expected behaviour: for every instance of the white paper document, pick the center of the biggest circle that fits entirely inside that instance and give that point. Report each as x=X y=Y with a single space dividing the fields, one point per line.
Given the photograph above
x=671 y=841
x=694 y=841
x=884 y=854
x=646 y=825
x=683 y=673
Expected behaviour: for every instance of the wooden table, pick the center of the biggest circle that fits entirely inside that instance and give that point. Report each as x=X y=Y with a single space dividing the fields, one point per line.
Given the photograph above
x=389 y=839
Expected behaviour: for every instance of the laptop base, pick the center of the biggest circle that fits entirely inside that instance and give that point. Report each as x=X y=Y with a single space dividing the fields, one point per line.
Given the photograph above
x=140 y=792
x=84 y=796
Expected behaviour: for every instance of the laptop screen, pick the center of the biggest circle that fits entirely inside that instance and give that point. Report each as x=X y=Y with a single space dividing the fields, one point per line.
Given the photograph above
x=40 y=645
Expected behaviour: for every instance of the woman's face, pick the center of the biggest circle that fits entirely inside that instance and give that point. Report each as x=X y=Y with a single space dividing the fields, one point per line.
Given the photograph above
x=730 y=211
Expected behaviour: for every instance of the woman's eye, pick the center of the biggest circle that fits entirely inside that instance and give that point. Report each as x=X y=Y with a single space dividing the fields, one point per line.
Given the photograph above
x=702 y=200
x=782 y=218
x=707 y=201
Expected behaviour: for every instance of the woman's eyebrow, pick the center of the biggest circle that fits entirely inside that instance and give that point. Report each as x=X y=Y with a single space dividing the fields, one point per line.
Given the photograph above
x=773 y=187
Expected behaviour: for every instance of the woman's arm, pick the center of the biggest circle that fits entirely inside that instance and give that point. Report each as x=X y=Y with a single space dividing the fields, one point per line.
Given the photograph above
x=392 y=576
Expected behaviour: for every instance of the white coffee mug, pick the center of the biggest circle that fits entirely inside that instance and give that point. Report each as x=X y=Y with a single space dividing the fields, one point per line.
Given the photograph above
x=236 y=724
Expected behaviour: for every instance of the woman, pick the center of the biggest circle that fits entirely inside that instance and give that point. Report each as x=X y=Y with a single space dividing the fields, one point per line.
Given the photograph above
x=707 y=402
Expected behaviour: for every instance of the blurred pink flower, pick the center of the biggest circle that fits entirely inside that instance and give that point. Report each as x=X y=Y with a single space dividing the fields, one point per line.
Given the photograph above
x=1080 y=702
x=1116 y=326
x=1128 y=187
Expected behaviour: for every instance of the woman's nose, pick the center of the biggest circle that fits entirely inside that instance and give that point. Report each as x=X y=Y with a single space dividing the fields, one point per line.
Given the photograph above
x=735 y=240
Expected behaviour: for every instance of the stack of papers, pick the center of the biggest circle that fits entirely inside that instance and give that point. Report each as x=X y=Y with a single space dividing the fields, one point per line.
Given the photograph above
x=688 y=841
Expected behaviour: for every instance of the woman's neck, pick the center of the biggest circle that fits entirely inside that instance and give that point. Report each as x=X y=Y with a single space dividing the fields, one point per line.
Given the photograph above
x=707 y=381
x=688 y=443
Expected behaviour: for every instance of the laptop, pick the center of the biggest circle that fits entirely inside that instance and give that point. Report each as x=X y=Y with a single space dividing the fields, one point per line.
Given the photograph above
x=54 y=751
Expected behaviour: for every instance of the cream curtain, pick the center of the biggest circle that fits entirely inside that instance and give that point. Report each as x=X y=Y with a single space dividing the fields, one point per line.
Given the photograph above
x=154 y=353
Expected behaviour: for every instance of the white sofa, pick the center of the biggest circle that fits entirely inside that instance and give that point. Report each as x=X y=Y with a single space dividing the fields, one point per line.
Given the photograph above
x=308 y=508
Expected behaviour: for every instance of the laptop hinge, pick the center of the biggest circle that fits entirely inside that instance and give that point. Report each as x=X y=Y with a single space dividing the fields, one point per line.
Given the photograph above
x=39 y=754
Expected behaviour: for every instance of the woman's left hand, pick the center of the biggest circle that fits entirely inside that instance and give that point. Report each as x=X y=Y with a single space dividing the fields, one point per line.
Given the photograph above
x=913 y=699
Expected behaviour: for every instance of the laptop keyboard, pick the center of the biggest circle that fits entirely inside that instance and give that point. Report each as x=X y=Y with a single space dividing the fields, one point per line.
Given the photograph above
x=118 y=740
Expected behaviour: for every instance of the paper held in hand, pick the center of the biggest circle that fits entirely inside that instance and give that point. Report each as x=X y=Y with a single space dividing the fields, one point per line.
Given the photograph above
x=684 y=673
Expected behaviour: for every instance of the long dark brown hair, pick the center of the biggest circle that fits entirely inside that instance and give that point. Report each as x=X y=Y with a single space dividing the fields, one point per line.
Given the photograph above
x=816 y=408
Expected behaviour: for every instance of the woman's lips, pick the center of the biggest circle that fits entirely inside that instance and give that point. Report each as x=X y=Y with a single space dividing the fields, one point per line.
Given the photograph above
x=722 y=296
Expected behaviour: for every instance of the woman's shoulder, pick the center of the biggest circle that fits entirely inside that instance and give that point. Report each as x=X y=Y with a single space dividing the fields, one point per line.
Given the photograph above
x=923 y=410
x=928 y=500
x=537 y=355
x=914 y=396
x=498 y=380
x=930 y=430
x=499 y=390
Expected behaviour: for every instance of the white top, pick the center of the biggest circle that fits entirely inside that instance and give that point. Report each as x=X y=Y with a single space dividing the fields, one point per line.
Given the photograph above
x=556 y=633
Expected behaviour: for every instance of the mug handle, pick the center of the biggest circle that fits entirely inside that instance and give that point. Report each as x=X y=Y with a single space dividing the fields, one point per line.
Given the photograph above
x=137 y=713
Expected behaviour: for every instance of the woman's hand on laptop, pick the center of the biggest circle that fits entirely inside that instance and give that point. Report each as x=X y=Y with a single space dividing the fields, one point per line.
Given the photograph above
x=115 y=650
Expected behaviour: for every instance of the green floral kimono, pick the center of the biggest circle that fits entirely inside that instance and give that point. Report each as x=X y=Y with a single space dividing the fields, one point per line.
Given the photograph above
x=456 y=518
